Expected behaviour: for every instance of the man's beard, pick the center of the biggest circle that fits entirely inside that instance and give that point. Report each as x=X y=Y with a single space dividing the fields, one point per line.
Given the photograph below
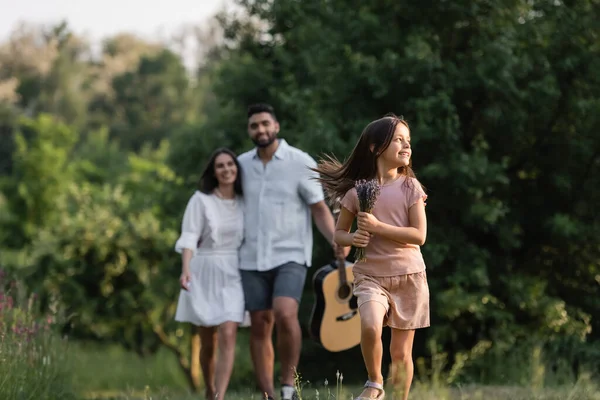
x=262 y=145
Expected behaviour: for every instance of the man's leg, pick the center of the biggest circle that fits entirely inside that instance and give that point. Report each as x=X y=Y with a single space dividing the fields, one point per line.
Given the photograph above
x=287 y=292
x=261 y=349
x=289 y=337
x=257 y=292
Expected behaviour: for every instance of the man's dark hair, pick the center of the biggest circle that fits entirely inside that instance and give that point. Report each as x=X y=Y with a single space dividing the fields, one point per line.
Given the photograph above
x=261 y=108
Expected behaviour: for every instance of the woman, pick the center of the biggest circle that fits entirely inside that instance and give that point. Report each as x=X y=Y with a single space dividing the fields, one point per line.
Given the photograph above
x=212 y=296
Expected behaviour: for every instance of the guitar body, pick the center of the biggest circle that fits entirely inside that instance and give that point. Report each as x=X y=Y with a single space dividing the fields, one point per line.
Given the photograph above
x=335 y=322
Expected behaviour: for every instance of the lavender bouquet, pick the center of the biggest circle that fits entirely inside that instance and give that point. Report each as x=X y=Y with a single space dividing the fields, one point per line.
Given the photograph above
x=367 y=192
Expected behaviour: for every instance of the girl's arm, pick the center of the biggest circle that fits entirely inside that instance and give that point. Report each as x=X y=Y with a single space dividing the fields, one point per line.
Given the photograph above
x=342 y=235
x=416 y=233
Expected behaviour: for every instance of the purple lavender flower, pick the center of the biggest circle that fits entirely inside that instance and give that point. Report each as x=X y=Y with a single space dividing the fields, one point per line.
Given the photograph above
x=367 y=192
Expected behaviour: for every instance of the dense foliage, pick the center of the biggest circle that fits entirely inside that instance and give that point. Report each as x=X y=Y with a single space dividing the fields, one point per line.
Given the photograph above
x=99 y=156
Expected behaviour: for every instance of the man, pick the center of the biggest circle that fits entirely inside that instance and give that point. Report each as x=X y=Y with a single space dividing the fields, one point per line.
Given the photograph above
x=280 y=197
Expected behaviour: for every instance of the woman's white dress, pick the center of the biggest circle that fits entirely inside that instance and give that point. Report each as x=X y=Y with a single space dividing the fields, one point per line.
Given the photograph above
x=215 y=292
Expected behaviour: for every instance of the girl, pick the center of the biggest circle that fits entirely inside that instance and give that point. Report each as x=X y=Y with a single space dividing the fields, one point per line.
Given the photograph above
x=391 y=285
x=212 y=297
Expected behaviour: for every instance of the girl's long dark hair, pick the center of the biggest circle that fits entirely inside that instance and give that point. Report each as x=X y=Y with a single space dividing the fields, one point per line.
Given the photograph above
x=337 y=178
x=208 y=181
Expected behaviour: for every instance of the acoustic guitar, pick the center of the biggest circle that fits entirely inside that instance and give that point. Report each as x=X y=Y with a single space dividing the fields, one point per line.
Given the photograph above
x=335 y=322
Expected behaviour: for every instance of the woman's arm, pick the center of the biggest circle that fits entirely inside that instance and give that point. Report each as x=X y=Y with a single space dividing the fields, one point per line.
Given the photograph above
x=184 y=279
x=191 y=227
x=186 y=257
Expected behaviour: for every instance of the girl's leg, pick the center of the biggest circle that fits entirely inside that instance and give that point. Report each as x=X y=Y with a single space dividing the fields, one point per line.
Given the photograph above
x=226 y=342
x=371 y=326
x=208 y=346
x=402 y=363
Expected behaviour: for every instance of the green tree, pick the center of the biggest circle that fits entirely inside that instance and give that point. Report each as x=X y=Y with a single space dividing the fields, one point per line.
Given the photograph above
x=109 y=261
x=498 y=97
x=150 y=101
x=41 y=169
x=96 y=239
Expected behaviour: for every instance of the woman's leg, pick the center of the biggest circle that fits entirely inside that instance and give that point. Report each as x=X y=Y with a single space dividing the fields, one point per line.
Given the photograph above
x=226 y=342
x=371 y=326
x=208 y=347
x=402 y=363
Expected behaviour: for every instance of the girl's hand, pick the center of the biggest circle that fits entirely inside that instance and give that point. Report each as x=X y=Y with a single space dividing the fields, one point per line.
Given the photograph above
x=360 y=238
x=184 y=280
x=367 y=222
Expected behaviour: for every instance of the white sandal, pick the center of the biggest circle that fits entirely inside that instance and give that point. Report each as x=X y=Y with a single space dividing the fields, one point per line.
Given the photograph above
x=373 y=385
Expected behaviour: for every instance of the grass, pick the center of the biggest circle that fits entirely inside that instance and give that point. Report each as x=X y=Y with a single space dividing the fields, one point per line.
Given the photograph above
x=104 y=369
x=36 y=363
x=49 y=368
x=130 y=378
x=34 y=369
x=584 y=390
x=33 y=358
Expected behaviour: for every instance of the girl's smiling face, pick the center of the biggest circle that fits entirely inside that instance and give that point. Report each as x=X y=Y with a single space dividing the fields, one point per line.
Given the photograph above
x=399 y=151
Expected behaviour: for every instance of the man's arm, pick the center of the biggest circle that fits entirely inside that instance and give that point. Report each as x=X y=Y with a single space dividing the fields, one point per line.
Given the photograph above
x=324 y=220
x=311 y=192
x=325 y=223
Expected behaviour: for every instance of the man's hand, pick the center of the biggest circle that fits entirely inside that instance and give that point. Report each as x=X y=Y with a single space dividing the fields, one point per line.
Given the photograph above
x=340 y=251
x=323 y=218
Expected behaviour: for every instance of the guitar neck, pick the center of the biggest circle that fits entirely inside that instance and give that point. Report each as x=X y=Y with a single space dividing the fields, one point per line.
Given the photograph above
x=341 y=266
x=341 y=262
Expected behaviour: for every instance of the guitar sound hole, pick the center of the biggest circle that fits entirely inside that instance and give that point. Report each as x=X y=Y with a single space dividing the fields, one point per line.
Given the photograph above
x=353 y=303
x=344 y=291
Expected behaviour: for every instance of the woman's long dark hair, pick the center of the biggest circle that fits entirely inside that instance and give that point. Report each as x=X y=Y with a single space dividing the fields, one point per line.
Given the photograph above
x=208 y=181
x=338 y=178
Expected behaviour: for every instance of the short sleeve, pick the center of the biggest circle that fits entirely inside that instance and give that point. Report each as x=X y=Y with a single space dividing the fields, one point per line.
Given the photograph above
x=415 y=193
x=191 y=225
x=310 y=188
x=350 y=201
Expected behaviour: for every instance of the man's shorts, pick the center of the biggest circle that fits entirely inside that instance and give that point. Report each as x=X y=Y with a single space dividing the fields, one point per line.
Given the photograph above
x=260 y=287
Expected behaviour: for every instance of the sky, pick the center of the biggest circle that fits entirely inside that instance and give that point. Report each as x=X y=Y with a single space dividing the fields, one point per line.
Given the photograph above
x=97 y=19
